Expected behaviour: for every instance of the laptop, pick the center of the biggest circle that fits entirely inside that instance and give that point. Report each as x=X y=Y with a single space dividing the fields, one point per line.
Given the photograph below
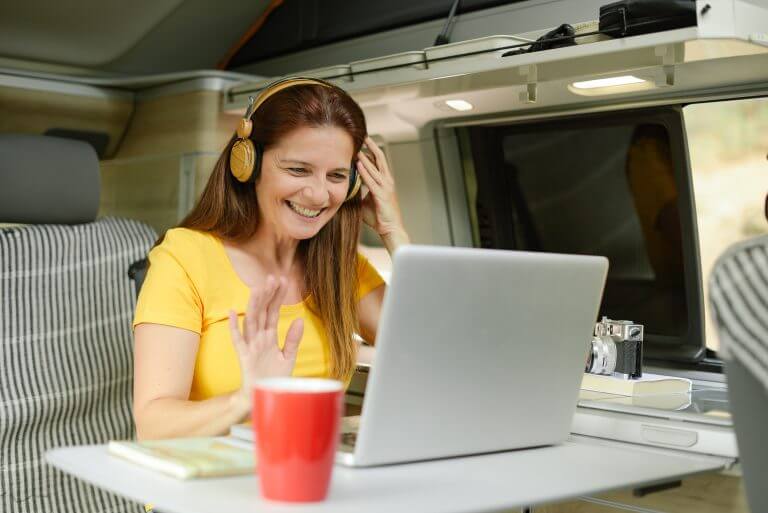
x=477 y=351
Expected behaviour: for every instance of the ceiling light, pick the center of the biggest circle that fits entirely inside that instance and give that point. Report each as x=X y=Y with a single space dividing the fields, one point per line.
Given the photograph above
x=459 y=105
x=608 y=82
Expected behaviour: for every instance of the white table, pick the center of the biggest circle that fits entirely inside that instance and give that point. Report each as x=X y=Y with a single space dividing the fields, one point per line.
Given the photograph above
x=581 y=466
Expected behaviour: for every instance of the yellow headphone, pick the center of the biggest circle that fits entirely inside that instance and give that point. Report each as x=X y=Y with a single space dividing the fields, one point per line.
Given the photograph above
x=245 y=157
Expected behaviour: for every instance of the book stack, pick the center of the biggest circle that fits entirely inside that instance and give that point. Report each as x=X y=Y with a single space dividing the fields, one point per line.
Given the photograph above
x=648 y=385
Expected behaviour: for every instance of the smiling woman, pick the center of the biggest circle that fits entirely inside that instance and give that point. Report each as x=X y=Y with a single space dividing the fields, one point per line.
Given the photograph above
x=308 y=171
x=270 y=246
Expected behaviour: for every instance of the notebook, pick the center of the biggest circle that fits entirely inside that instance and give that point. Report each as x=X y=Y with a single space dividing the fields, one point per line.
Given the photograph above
x=649 y=384
x=186 y=458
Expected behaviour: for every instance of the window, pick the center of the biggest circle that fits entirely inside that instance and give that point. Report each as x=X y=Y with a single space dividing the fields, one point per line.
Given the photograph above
x=728 y=143
x=611 y=185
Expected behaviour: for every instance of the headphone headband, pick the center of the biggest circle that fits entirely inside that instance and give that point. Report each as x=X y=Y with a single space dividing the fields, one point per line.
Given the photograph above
x=278 y=85
x=245 y=157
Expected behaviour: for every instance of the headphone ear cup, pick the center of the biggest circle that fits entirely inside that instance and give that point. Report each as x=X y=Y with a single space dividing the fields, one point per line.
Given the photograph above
x=245 y=160
x=242 y=159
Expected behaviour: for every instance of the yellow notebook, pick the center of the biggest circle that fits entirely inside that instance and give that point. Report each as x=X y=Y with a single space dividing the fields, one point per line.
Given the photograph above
x=649 y=384
x=186 y=458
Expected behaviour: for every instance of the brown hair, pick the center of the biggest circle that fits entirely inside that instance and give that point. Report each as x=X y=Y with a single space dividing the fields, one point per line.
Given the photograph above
x=229 y=209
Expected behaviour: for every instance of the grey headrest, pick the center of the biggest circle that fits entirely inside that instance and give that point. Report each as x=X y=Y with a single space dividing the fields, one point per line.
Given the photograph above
x=47 y=180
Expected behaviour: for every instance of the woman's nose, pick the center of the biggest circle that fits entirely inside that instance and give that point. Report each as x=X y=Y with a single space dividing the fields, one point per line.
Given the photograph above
x=316 y=192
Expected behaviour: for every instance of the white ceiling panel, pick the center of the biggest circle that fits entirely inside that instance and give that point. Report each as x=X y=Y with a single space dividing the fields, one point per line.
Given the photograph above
x=82 y=32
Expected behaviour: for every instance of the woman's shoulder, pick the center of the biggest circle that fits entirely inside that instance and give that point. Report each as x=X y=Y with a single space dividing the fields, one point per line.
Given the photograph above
x=187 y=239
x=188 y=247
x=194 y=252
x=367 y=275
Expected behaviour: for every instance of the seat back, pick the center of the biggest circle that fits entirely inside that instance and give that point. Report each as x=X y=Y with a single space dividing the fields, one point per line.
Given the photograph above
x=66 y=358
x=738 y=291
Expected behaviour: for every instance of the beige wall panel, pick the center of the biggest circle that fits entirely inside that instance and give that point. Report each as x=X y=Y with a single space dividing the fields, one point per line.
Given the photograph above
x=184 y=123
x=143 y=189
x=203 y=169
x=149 y=189
x=166 y=133
x=416 y=171
x=33 y=112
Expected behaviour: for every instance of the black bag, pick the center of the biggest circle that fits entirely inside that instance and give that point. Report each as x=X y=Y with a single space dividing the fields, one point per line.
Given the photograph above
x=632 y=17
x=555 y=38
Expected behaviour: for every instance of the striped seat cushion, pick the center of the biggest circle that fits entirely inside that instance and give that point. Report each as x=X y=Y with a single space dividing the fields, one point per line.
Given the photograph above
x=738 y=294
x=66 y=365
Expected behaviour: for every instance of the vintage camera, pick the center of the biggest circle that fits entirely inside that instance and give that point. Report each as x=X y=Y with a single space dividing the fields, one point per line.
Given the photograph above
x=617 y=349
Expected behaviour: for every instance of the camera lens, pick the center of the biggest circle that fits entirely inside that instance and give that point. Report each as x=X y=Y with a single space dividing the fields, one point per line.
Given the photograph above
x=603 y=356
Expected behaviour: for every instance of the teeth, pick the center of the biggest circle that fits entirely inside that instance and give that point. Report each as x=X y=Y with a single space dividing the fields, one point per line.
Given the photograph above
x=304 y=211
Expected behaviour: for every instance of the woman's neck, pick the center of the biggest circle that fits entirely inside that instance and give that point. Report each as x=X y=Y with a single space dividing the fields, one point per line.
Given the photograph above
x=277 y=254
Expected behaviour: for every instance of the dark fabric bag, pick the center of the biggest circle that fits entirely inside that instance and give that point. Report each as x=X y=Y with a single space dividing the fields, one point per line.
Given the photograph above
x=632 y=17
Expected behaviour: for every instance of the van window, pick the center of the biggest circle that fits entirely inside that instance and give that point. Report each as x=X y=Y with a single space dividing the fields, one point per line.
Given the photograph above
x=728 y=144
x=611 y=185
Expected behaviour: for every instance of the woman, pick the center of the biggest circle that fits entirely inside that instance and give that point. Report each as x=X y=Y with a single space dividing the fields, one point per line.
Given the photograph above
x=275 y=249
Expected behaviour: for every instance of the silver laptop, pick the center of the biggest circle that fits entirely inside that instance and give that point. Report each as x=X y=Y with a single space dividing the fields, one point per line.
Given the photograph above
x=477 y=351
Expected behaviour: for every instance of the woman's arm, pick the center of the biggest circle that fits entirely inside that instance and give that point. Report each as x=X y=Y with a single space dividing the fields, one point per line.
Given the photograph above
x=382 y=213
x=164 y=362
x=165 y=356
x=381 y=210
x=368 y=313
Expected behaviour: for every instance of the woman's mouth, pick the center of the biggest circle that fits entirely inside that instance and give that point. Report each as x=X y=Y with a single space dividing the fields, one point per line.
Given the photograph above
x=304 y=212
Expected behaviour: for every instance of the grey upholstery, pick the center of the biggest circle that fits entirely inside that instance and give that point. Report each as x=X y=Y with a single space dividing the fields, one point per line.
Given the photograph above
x=65 y=355
x=47 y=180
x=66 y=304
x=749 y=404
x=738 y=290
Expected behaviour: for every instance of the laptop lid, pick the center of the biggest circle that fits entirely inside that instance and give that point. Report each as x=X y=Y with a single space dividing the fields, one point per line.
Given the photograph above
x=477 y=351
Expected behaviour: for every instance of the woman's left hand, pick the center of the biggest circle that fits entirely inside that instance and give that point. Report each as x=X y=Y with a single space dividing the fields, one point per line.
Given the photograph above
x=380 y=208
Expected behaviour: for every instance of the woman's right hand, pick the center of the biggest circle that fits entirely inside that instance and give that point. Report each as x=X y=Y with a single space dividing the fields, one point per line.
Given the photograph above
x=257 y=346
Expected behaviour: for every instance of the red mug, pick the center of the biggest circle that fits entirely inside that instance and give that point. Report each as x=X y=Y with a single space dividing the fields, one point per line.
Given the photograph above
x=296 y=430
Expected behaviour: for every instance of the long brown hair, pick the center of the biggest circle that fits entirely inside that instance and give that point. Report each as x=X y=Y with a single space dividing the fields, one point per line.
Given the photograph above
x=229 y=210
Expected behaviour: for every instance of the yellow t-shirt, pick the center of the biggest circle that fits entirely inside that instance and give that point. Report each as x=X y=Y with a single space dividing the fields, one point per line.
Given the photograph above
x=191 y=284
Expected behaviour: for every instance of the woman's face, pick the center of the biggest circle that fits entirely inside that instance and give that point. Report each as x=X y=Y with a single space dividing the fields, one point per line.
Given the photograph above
x=304 y=180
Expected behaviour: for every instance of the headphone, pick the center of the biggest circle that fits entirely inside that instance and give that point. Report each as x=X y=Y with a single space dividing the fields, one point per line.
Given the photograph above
x=245 y=156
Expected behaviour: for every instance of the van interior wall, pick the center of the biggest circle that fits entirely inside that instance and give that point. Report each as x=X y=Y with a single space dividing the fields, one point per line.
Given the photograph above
x=30 y=111
x=166 y=156
x=420 y=192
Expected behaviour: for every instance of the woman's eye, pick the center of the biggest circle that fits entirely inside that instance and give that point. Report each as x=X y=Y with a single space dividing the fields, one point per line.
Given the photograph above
x=338 y=177
x=297 y=170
